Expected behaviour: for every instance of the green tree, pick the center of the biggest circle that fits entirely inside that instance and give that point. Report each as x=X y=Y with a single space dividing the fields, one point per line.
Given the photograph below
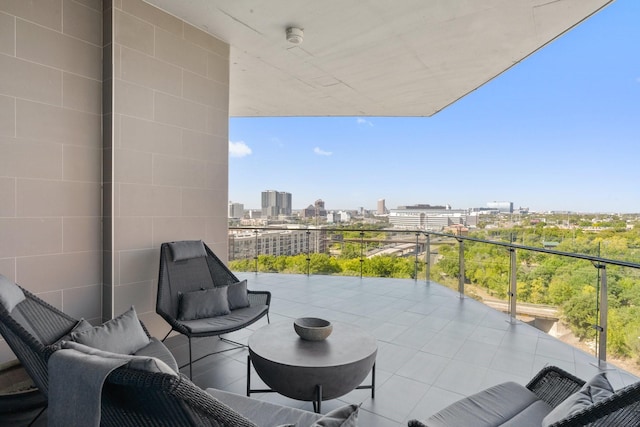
x=580 y=312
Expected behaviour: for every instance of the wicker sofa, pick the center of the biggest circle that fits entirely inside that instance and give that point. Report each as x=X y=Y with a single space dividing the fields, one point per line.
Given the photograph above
x=553 y=398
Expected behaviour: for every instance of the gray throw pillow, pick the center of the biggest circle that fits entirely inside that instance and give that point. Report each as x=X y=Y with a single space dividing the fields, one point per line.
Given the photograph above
x=345 y=416
x=141 y=363
x=203 y=304
x=187 y=249
x=81 y=326
x=237 y=295
x=10 y=294
x=595 y=390
x=123 y=334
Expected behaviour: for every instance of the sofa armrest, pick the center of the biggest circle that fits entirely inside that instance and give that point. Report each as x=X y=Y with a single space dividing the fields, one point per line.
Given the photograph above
x=259 y=297
x=553 y=385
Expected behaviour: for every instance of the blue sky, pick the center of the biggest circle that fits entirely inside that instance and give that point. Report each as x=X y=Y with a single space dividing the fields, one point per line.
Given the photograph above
x=559 y=131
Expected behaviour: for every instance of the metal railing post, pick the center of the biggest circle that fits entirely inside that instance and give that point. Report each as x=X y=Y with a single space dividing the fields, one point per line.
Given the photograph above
x=604 y=308
x=427 y=258
x=461 y=268
x=415 y=267
x=513 y=289
x=308 y=253
x=361 y=252
x=255 y=252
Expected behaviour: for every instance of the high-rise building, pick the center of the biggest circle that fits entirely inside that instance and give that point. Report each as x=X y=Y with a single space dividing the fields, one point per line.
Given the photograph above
x=275 y=203
x=382 y=208
x=236 y=210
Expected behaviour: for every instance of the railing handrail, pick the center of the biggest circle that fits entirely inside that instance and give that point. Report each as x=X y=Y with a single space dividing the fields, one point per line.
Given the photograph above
x=592 y=258
x=598 y=262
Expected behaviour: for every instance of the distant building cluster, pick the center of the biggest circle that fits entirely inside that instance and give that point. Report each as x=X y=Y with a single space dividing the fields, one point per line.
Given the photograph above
x=277 y=208
x=339 y=216
x=316 y=210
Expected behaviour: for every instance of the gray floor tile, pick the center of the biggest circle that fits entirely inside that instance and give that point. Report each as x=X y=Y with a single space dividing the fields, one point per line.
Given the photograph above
x=433 y=347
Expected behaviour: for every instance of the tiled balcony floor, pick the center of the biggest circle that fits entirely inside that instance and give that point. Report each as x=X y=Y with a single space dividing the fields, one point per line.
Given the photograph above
x=433 y=347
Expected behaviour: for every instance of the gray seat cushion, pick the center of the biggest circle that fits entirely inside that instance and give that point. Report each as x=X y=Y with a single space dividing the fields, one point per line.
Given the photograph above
x=221 y=323
x=531 y=416
x=495 y=406
x=264 y=414
x=158 y=350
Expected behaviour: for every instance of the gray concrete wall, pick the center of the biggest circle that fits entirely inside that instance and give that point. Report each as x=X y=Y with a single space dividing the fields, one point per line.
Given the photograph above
x=168 y=151
x=103 y=160
x=50 y=152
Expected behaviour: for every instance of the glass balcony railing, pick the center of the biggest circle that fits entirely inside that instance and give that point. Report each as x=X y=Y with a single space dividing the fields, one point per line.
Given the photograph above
x=582 y=297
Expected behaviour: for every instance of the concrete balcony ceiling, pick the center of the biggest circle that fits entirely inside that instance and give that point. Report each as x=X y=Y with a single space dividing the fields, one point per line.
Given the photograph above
x=374 y=57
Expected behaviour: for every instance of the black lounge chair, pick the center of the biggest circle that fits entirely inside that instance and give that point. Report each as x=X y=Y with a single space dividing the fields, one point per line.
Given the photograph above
x=191 y=266
x=33 y=330
x=29 y=329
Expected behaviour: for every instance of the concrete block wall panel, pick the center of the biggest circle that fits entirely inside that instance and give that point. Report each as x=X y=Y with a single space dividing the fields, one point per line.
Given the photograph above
x=51 y=151
x=113 y=139
x=169 y=147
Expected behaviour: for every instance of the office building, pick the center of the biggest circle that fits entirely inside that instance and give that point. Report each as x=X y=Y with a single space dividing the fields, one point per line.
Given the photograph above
x=427 y=217
x=236 y=210
x=502 y=207
x=382 y=208
x=276 y=203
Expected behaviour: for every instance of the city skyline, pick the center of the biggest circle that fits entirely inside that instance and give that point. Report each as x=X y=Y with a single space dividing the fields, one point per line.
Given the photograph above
x=559 y=131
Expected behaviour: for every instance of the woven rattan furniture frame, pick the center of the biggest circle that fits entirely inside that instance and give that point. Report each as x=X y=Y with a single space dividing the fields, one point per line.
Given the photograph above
x=553 y=385
x=42 y=319
x=188 y=275
x=32 y=331
x=139 y=398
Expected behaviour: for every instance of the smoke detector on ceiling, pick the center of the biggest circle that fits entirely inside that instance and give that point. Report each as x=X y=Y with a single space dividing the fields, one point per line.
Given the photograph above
x=295 y=35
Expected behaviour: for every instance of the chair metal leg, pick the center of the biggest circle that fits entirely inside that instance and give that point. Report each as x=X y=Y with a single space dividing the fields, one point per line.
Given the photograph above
x=166 y=336
x=317 y=404
x=190 y=362
x=38 y=416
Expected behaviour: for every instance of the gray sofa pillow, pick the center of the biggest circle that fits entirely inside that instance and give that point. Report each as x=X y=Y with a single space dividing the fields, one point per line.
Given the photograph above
x=123 y=334
x=203 y=304
x=345 y=416
x=237 y=295
x=81 y=326
x=595 y=390
x=10 y=294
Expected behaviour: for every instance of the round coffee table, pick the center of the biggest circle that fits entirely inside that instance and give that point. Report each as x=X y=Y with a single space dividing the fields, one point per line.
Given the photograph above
x=312 y=370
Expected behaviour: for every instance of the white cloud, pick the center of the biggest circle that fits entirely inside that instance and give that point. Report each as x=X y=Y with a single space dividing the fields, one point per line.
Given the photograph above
x=239 y=149
x=362 y=121
x=321 y=152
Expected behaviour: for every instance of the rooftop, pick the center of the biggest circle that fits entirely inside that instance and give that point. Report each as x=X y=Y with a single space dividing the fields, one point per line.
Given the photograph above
x=433 y=346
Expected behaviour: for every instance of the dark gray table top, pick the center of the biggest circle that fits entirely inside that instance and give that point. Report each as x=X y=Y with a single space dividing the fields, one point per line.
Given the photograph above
x=279 y=343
